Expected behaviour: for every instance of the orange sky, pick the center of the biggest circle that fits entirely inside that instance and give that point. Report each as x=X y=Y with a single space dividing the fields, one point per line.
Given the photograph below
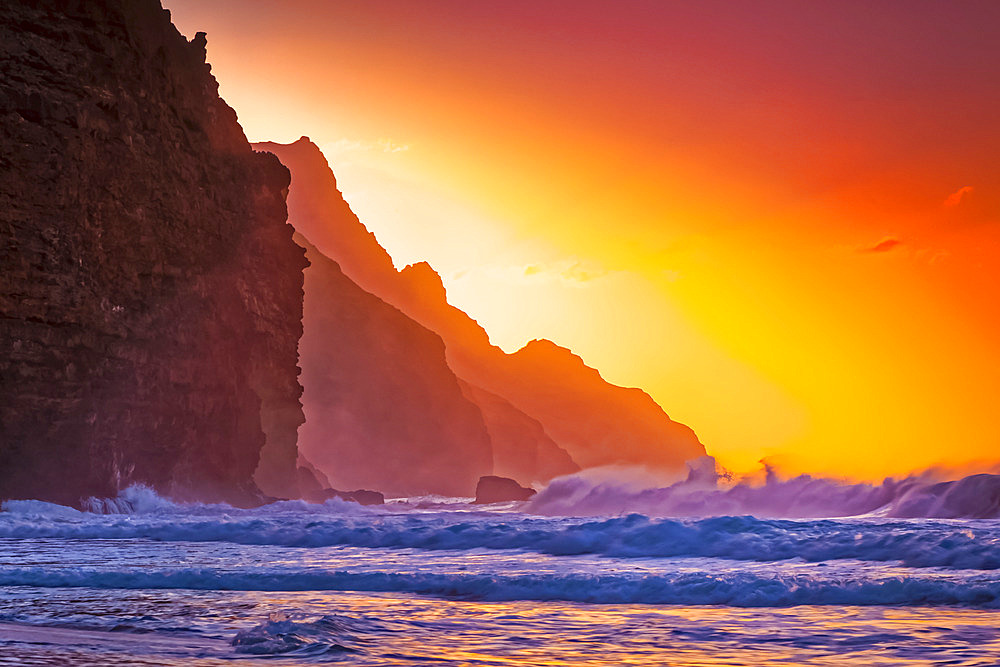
x=781 y=219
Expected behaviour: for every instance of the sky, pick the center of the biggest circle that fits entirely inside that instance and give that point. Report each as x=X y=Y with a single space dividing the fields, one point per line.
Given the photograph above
x=781 y=219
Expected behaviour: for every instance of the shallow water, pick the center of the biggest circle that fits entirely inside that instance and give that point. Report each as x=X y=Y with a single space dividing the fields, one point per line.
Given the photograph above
x=451 y=584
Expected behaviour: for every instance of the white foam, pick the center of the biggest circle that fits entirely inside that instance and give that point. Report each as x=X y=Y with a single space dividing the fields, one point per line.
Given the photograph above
x=734 y=588
x=707 y=492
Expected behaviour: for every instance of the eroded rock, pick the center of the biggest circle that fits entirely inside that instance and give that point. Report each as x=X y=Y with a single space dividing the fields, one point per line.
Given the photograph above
x=150 y=290
x=493 y=489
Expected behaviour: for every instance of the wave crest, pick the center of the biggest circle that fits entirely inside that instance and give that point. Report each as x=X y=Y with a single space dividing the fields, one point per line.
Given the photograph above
x=280 y=635
x=707 y=491
x=734 y=588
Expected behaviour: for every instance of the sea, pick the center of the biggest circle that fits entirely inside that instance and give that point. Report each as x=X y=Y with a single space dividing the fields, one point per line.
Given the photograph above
x=141 y=580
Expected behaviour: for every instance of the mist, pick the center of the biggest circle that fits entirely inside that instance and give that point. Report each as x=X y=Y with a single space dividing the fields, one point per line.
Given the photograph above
x=709 y=490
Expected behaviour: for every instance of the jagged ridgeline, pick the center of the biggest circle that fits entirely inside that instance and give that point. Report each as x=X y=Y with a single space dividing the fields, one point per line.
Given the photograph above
x=150 y=289
x=151 y=304
x=546 y=412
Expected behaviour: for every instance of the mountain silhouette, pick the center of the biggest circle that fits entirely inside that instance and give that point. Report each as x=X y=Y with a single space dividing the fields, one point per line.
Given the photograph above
x=582 y=415
x=383 y=409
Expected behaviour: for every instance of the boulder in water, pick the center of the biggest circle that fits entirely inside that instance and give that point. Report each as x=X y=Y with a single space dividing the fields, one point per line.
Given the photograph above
x=361 y=496
x=493 y=489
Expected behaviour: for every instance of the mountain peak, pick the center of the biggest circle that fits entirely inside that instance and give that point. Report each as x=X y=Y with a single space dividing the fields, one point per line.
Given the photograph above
x=423 y=276
x=303 y=148
x=545 y=348
x=543 y=353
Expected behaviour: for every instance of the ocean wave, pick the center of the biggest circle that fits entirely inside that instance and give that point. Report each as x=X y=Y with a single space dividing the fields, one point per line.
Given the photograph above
x=140 y=499
x=139 y=513
x=328 y=636
x=39 y=508
x=709 y=491
x=956 y=545
x=734 y=588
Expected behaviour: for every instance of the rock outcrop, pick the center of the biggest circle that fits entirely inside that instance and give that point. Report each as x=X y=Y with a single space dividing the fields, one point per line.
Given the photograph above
x=582 y=415
x=314 y=487
x=150 y=290
x=493 y=489
x=383 y=409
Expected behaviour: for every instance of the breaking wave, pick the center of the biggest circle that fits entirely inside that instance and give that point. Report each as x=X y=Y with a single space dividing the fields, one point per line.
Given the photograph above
x=708 y=492
x=928 y=543
x=733 y=587
x=280 y=635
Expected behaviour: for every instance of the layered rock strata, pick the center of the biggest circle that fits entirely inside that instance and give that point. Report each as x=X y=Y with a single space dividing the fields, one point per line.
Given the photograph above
x=150 y=290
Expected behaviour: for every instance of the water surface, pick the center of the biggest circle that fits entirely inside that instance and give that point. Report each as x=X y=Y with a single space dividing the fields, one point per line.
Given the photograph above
x=446 y=583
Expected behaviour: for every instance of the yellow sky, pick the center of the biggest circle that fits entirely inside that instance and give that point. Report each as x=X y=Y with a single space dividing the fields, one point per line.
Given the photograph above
x=758 y=218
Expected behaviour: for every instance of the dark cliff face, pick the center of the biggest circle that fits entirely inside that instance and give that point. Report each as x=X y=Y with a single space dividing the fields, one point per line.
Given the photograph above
x=150 y=290
x=383 y=409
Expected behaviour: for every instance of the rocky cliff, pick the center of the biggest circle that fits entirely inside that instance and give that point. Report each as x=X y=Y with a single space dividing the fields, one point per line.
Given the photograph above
x=521 y=447
x=150 y=290
x=383 y=409
x=600 y=423
x=581 y=414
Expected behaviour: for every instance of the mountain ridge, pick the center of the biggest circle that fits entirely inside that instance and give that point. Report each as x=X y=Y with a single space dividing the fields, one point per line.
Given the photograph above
x=317 y=208
x=383 y=408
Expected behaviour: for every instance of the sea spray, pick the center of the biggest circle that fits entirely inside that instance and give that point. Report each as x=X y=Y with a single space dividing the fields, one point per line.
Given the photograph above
x=971 y=545
x=708 y=491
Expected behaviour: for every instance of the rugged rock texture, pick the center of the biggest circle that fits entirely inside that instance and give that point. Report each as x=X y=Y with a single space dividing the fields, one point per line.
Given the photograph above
x=594 y=421
x=317 y=210
x=150 y=290
x=492 y=489
x=383 y=409
x=314 y=487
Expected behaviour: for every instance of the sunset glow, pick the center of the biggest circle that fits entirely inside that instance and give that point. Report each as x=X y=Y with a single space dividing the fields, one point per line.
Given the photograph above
x=508 y=332
x=782 y=220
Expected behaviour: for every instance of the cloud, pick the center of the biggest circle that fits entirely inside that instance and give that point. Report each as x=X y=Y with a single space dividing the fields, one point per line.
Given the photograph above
x=571 y=272
x=955 y=198
x=389 y=146
x=356 y=145
x=932 y=255
x=670 y=275
x=885 y=245
x=578 y=272
x=533 y=269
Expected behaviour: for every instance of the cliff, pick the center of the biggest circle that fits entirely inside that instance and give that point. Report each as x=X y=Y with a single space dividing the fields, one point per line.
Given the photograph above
x=521 y=447
x=600 y=423
x=581 y=414
x=150 y=291
x=383 y=409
